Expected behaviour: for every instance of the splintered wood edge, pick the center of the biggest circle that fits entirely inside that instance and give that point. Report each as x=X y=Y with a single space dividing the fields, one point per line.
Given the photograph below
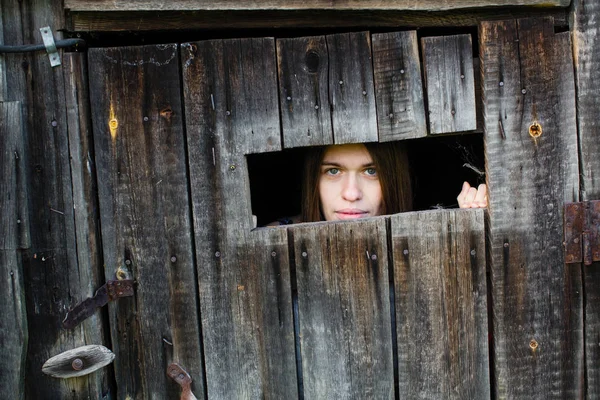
x=93 y=356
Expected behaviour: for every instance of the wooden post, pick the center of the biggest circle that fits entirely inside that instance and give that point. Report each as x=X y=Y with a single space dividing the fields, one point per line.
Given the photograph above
x=586 y=45
x=532 y=170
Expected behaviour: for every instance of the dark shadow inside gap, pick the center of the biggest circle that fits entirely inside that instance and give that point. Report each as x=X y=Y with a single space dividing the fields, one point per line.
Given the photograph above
x=439 y=166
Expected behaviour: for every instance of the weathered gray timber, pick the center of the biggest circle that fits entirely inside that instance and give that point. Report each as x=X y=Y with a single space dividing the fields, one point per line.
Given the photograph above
x=527 y=75
x=13 y=237
x=351 y=91
x=2 y=65
x=243 y=276
x=303 y=67
x=424 y=5
x=586 y=44
x=398 y=86
x=441 y=305
x=145 y=216
x=242 y=19
x=344 y=310
x=53 y=279
x=448 y=65
x=78 y=362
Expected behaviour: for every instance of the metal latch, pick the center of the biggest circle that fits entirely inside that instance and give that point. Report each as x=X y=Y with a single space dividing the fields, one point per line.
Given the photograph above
x=111 y=290
x=581 y=228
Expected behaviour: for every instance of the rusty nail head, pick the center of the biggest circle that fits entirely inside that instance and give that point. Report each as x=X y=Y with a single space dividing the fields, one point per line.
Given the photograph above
x=364 y=92
x=232 y=167
x=401 y=71
x=173 y=259
x=462 y=76
x=373 y=257
x=535 y=130
x=180 y=376
x=341 y=82
x=127 y=262
x=523 y=90
x=77 y=364
x=273 y=254
x=473 y=252
x=304 y=254
x=217 y=254
x=228 y=112
x=533 y=344
x=501 y=83
x=405 y=252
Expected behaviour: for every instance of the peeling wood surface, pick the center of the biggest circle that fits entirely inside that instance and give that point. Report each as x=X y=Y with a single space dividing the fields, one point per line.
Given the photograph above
x=137 y=21
x=13 y=324
x=398 y=86
x=424 y=5
x=449 y=78
x=586 y=44
x=243 y=276
x=145 y=216
x=527 y=74
x=351 y=90
x=344 y=310
x=303 y=68
x=441 y=305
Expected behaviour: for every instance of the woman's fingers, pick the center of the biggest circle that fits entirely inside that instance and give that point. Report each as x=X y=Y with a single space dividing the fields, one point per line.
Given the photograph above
x=469 y=197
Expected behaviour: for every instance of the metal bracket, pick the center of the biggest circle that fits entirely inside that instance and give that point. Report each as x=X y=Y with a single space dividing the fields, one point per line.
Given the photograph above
x=180 y=375
x=582 y=232
x=50 y=46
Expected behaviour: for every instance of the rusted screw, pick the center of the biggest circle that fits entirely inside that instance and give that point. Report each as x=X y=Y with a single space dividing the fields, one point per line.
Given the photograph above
x=217 y=254
x=535 y=130
x=501 y=84
x=273 y=254
x=374 y=257
x=473 y=252
x=77 y=364
x=533 y=344
x=173 y=259
x=113 y=123
x=304 y=254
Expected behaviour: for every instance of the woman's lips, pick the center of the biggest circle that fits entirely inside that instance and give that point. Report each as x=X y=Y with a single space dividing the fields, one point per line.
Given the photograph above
x=351 y=213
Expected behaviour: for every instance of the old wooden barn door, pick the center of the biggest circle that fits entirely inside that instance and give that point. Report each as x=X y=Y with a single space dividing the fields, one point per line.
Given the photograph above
x=391 y=307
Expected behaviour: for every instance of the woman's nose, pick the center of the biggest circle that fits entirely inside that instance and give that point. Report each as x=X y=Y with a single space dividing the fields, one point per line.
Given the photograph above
x=351 y=190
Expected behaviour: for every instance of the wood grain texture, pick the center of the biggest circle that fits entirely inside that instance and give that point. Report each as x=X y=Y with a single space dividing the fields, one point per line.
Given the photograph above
x=91 y=358
x=52 y=277
x=121 y=21
x=303 y=68
x=441 y=305
x=537 y=300
x=425 y=5
x=398 y=86
x=243 y=276
x=351 y=91
x=13 y=324
x=586 y=45
x=145 y=216
x=344 y=310
x=448 y=64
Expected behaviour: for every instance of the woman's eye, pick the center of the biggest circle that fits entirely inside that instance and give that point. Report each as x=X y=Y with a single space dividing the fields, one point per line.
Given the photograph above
x=332 y=171
x=371 y=171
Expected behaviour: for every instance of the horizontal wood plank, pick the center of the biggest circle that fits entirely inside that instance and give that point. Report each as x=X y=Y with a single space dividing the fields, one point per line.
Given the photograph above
x=424 y=5
x=145 y=215
x=537 y=299
x=398 y=86
x=120 y=21
x=344 y=310
x=441 y=305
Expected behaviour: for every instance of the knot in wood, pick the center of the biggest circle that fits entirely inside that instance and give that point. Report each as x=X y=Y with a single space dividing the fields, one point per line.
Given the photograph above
x=312 y=61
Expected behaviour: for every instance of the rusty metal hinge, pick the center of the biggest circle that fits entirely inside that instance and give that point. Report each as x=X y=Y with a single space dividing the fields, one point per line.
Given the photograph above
x=581 y=229
x=111 y=290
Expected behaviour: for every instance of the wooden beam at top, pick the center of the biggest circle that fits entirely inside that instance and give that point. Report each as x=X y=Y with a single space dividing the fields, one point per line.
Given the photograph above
x=293 y=5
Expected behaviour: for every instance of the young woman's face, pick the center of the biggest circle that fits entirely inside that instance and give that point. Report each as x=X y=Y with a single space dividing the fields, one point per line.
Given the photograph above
x=349 y=185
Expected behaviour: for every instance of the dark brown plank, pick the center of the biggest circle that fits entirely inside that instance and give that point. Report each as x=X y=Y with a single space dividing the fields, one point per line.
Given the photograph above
x=120 y=21
x=52 y=277
x=426 y=5
x=537 y=299
x=13 y=324
x=441 y=306
x=303 y=67
x=145 y=216
x=398 y=86
x=448 y=65
x=344 y=310
x=243 y=276
x=586 y=45
x=351 y=91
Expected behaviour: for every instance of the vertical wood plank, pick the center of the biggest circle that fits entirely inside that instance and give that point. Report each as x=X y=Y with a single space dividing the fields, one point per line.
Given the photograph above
x=586 y=46
x=243 y=276
x=351 y=91
x=303 y=67
x=145 y=216
x=398 y=86
x=448 y=64
x=344 y=310
x=13 y=324
x=441 y=306
x=537 y=300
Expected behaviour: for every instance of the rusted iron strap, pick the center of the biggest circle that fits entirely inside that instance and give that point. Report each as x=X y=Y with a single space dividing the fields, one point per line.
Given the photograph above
x=581 y=232
x=111 y=290
x=180 y=375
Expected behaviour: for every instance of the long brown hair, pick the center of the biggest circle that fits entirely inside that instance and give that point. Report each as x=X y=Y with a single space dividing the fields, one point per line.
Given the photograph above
x=391 y=163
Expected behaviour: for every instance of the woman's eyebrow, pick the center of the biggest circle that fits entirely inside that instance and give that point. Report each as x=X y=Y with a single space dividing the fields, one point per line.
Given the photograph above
x=335 y=164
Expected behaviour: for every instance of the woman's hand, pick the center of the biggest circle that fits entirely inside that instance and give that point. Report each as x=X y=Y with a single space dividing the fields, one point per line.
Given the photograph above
x=470 y=197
